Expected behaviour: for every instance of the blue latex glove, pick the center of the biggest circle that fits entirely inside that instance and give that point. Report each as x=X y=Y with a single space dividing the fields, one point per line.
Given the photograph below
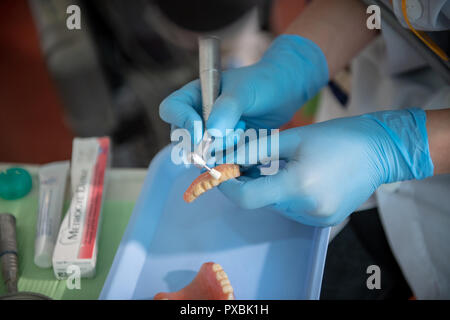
x=264 y=95
x=334 y=166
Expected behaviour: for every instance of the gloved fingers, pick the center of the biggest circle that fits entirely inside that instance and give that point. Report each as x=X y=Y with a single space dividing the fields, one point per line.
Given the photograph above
x=305 y=219
x=254 y=193
x=297 y=210
x=252 y=150
x=281 y=145
x=306 y=209
x=240 y=128
x=237 y=95
x=220 y=144
x=182 y=108
x=251 y=193
x=225 y=114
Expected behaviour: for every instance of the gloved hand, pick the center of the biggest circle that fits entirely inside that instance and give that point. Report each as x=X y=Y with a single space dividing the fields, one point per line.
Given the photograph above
x=334 y=166
x=264 y=95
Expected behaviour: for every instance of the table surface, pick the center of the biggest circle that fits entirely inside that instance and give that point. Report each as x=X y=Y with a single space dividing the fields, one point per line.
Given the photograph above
x=122 y=190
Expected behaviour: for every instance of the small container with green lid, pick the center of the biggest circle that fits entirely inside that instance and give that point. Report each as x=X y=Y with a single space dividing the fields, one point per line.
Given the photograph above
x=15 y=183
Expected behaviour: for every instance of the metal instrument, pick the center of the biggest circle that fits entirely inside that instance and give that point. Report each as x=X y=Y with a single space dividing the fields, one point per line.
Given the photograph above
x=10 y=262
x=209 y=70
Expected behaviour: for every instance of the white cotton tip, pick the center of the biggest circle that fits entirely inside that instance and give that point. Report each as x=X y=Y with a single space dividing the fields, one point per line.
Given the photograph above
x=215 y=174
x=198 y=160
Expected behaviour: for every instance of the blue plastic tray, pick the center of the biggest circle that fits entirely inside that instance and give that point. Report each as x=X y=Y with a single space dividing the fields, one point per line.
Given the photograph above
x=265 y=255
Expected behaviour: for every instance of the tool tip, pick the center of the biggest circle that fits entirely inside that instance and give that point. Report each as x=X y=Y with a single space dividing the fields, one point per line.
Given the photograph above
x=197 y=160
x=215 y=174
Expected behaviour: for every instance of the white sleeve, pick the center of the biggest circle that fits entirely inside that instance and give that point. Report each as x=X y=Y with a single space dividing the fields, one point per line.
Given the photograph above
x=425 y=15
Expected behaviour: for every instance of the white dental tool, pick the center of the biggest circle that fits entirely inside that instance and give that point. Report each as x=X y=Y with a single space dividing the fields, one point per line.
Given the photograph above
x=209 y=69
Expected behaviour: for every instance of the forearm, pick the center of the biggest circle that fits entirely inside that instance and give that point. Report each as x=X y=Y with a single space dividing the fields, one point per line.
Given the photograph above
x=337 y=27
x=438 y=129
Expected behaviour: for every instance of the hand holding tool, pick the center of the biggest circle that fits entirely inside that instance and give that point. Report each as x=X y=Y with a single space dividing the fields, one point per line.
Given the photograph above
x=264 y=95
x=209 y=70
x=334 y=166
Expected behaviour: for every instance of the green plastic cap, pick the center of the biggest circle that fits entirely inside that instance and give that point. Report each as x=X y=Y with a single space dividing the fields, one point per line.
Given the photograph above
x=15 y=183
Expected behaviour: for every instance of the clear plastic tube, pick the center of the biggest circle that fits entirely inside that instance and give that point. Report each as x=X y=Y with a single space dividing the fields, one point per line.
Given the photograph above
x=52 y=186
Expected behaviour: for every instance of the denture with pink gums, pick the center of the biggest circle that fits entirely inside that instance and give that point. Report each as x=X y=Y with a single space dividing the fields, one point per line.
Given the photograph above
x=210 y=283
x=205 y=181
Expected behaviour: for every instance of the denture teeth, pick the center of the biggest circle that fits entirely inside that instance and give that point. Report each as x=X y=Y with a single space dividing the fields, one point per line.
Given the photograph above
x=222 y=278
x=227 y=289
x=205 y=181
x=215 y=182
x=216 y=267
x=224 y=282
x=221 y=275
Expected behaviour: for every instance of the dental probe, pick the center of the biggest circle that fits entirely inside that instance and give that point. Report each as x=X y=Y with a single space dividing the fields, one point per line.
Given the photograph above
x=209 y=70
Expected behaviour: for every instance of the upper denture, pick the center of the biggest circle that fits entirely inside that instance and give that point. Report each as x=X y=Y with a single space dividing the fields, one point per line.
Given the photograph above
x=205 y=181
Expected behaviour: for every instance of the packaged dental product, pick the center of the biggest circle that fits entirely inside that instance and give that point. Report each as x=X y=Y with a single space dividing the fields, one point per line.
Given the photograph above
x=52 y=187
x=77 y=244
